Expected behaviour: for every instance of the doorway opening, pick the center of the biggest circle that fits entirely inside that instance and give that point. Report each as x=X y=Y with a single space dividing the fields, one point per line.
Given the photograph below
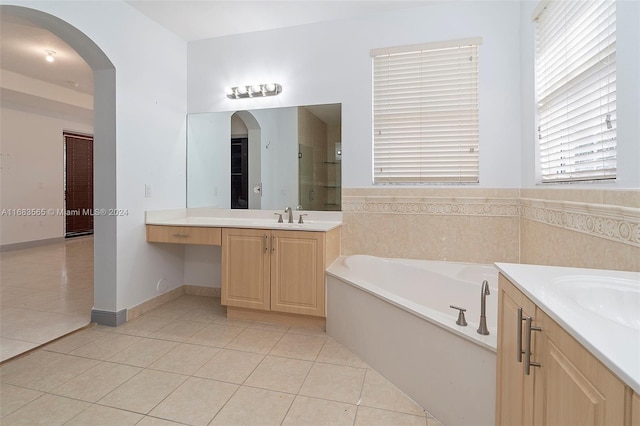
x=78 y=184
x=239 y=173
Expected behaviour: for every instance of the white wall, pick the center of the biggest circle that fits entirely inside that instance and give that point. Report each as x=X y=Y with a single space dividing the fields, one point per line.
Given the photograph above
x=330 y=62
x=32 y=148
x=150 y=107
x=627 y=97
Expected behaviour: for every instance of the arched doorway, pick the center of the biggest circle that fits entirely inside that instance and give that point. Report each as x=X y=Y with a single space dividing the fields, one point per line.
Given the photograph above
x=104 y=150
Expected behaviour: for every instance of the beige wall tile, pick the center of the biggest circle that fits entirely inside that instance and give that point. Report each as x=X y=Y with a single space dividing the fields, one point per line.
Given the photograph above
x=453 y=238
x=591 y=228
x=549 y=245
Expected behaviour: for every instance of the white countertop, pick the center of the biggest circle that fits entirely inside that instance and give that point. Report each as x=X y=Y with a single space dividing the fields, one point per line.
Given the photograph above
x=258 y=219
x=599 y=308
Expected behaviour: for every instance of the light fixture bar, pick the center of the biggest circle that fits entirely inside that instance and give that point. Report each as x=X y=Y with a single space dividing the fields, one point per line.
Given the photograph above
x=254 y=90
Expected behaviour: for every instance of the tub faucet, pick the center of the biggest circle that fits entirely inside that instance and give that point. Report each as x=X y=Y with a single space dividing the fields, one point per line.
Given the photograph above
x=484 y=292
x=288 y=210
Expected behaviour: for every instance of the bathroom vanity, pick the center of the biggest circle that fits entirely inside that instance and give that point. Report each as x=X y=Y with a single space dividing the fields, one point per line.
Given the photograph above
x=270 y=271
x=564 y=357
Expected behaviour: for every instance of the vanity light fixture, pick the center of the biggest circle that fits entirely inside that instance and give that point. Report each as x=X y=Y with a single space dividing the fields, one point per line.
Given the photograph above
x=49 y=57
x=254 y=90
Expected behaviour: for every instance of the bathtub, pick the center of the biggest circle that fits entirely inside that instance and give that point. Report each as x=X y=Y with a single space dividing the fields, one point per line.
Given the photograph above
x=395 y=315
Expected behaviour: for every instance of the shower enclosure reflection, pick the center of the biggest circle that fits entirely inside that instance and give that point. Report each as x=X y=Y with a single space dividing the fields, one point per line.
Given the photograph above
x=265 y=159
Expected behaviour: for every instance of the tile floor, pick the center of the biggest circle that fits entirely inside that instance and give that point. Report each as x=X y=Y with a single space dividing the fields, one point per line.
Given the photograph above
x=186 y=363
x=45 y=292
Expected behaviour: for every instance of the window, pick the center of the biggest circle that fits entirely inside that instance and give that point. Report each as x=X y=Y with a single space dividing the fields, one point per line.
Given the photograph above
x=576 y=89
x=425 y=113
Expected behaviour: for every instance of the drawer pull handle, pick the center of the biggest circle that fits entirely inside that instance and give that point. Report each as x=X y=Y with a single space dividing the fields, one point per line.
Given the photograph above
x=527 y=348
x=265 y=242
x=181 y=235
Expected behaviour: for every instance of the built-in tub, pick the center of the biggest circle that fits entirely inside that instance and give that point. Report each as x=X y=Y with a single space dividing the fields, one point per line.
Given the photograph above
x=395 y=315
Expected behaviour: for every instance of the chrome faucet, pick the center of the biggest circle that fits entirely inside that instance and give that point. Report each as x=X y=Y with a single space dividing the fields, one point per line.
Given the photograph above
x=484 y=292
x=288 y=210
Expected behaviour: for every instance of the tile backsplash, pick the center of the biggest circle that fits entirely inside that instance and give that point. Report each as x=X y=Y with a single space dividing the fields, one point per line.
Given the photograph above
x=566 y=227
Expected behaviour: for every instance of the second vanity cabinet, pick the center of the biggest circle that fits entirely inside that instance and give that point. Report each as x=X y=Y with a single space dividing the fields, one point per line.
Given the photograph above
x=564 y=384
x=277 y=270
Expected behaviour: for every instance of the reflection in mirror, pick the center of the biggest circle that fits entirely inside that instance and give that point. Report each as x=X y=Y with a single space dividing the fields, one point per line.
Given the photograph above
x=265 y=158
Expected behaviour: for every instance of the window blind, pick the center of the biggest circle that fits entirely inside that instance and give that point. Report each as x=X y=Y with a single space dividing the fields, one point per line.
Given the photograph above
x=576 y=90
x=425 y=113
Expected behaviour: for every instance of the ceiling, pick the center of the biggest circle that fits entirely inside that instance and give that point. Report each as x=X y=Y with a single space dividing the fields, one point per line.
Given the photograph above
x=23 y=45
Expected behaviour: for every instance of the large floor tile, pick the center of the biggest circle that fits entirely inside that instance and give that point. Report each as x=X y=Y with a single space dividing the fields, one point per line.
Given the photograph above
x=14 y=397
x=319 y=412
x=47 y=410
x=230 y=366
x=298 y=346
x=251 y=406
x=10 y=348
x=367 y=416
x=46 y=292
x=334 y=382
x=143 y=352
x=178 y=331
x=96 y=382
x=255 y=340
x=335 y=353
x=98 y=415
x=106 y=346
x=185 y=359
x=280 y=374
x=215 y=335
x=142 y=326
x=144 y=391
x=195 y=402
x=44 y=370
x=378 y=392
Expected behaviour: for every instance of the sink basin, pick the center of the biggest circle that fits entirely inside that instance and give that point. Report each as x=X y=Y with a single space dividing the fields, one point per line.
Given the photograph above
x=615 y=299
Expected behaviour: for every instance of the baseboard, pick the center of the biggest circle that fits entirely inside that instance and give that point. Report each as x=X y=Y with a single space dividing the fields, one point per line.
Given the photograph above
x=109 y=318
x=30 y=244
x=196 y=290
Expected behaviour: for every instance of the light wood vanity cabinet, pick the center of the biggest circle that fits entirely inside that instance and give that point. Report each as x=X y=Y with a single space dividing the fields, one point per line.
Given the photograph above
x=569 y=387
x=635 y=409
x=515 y=390
x=277 y=271
x=183 y=235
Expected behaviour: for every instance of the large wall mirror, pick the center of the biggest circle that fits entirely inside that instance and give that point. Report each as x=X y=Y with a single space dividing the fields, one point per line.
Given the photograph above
x=266 y=158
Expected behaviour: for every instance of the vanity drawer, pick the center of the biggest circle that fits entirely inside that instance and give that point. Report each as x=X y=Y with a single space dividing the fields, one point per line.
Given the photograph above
x=184 y=235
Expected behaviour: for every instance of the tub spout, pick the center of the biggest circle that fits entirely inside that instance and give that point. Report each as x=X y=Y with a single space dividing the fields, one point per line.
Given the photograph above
x=484 y=292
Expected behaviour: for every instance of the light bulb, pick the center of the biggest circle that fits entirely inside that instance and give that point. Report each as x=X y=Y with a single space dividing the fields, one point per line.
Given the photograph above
x=242 y=90
x=49 y=57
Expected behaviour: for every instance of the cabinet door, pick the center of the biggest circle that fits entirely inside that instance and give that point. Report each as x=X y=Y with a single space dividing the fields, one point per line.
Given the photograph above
x=579 y=390
x=245 y=268
x=297 y=272
x=515 y=390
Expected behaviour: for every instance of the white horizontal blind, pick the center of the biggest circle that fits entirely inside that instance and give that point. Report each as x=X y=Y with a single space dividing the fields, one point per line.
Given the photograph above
x=425 y=113
x=576 y=90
